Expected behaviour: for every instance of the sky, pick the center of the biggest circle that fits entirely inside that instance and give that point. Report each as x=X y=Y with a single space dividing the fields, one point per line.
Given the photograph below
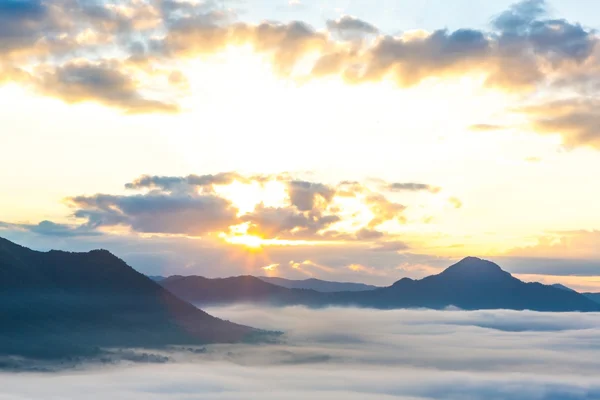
x=328 y=139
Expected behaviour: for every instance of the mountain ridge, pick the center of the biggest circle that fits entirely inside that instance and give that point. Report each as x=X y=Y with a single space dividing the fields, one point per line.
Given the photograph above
x=472 y=283
x=318 y=284
x=56 y=303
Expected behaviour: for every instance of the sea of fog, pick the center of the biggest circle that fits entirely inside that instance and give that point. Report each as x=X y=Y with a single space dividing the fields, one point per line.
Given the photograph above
x=345 y=353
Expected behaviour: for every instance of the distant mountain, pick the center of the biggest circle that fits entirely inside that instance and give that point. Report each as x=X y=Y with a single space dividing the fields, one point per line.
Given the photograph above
x=156 y=278
x=593 y=296
x=57 y=304
x=470 y=284
x=241 y=289
x=562 y=287
x=318 y=285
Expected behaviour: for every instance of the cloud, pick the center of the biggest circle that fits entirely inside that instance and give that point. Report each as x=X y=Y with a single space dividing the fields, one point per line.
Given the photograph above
x=198 y=205
x=455 y=202
x=306 y=195
x=520 y=16
x=287 y=223
x=574 y=245
x=533 y=159
x=412 y=187
x=105 y=82
x=171 y=183
x=49 y=228
x=555 y=38
x=369 y=234
x=486 y=127
x=23 y=23
x=127 y=55
x=211 y=257
x=442 y=355
x=157 y=213
x=391 y=246
x=351 y=28
x=411 y=60
x=523 y=47
x=529 y=46
x=383 y=210
x=576 y=120
x=285 y=43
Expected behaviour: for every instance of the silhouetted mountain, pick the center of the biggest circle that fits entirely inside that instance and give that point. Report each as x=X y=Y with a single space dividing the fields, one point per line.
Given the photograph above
x=156 y=278
x=469 y=284
x=473 y=284
x=55 y=304
x=593 y=296
x=318 y=285
x=240 y=289
x=562 y=287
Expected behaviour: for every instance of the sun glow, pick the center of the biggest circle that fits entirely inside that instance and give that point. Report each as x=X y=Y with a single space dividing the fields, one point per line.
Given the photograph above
x=246 y=196
x=250 y=241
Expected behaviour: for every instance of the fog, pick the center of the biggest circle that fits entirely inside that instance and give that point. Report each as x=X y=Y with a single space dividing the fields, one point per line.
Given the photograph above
x=343 y=353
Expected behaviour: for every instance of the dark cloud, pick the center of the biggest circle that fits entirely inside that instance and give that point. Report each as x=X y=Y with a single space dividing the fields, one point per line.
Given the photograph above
x=369 y=234
x=437 y=54
x=519 y=16
x=24 y=22
x=193 y=205
x=576 y=120
x=157 y=213
x=103 y=82
x=351 y=28
x=170 y=183
x=391 y=246
x=524 y=22
x=49 y=228
x=412 y=187
x=306 y=195
x=122 y=18
x=287 y=223
x=530 y=46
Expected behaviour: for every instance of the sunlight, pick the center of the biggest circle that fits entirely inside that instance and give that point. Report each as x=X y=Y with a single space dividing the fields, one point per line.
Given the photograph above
x=246 y=196
x=250 y=241
x=271 y=267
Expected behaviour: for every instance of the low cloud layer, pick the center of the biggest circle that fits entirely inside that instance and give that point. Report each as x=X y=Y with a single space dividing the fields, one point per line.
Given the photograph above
x=326 y=354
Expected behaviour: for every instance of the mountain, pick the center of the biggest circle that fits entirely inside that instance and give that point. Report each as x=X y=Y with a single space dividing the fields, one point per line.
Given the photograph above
x=318 y=285
x=562 y=287
x=156 y=278
x=241 y=289
x=593 y=296
x=470 y=284
x=56 y=304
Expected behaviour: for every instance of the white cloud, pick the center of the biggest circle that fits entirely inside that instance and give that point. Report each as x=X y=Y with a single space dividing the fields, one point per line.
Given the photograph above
x=360 y=354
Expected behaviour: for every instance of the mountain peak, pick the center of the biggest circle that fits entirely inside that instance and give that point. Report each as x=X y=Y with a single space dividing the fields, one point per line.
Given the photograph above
x=474 y=267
